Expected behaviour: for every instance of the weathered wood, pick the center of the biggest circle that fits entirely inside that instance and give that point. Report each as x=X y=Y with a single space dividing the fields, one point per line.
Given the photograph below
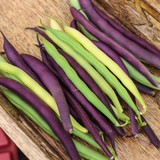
x=16 y=15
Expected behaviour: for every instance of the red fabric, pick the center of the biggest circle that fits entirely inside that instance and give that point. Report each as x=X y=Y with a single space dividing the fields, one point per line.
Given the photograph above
x=8 y=150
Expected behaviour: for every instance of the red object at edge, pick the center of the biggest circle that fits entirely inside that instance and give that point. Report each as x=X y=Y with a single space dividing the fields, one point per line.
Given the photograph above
x=8 y=150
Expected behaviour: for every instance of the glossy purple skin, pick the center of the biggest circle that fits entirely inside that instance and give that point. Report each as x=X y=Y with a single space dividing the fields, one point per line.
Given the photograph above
x=45 y=59
x=92 y=112
x=45 y=112
x=150 y=134
x=115 y=57
x=83 y=74
x=72 y=112
x=43 y=34
x=73 y=24
x=144 y=89
x=75 y=114
x=127 y=33
x=87 y=122
x=132 y=115
x=92 y=29
x=106 y=28
x=112 y=54
x=15 y=58
x=53 y=85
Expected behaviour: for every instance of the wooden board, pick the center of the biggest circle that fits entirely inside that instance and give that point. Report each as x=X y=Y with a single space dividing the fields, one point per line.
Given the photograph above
x=16 y=15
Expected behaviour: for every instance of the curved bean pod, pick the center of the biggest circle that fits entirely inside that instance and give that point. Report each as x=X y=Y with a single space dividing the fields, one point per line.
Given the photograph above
x=45 y=112
x=98 y=65
x=93 y=113
x=75 y=3
x=53 y=85
x=86 y=23
x=16 y=60
x=73 y=24
x=37 y=89
x=127 y=33
x=71 y=74
x=94 y=74
x=120 y=39
x=88 y=124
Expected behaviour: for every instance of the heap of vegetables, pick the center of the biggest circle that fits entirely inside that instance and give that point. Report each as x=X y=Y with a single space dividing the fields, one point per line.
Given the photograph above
x=75 y=88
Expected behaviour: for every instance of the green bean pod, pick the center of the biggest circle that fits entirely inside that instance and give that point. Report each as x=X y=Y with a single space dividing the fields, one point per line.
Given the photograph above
x=98 y=65
x=136 y=75
x=37 y=89
x=123 y=117
x=77 y=6
x=80 y=85
x=106 y=88
x=101 y=56
x=37 y=119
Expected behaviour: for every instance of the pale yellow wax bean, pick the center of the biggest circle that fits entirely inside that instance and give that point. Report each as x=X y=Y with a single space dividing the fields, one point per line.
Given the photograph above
x=103 y=84
x=54 y=24
x=37 y=89
x=108 y=62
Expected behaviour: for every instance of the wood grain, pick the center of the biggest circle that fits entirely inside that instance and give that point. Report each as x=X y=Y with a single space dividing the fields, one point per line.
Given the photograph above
x=17 y=15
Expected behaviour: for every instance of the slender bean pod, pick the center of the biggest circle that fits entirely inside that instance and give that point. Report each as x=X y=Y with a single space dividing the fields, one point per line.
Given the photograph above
x=137 y=75
x=16 y=60
x=75 y=3
x=127 y=33
x=133 y=47
x=87 y=122
x=53 y=85
x=104 y=38
x=94 y=74
x=71 y=74
x=97 y=64
x=36 y=88
x=45 y=112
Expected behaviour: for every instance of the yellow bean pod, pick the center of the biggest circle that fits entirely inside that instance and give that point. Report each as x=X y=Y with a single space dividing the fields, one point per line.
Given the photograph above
x=108 y=62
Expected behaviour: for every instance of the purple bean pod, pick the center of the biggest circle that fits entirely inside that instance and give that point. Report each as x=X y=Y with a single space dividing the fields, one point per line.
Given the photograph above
x=15 y=58
x=115 y=57
x=45 y=112
x=42 y=33
x=144 y=89
x=53 y=85
x=93 y=113
x=92 y=29
x=73 y=24
x=150 y=134
x=127 y=33
x=87 y=122
x=114 y=34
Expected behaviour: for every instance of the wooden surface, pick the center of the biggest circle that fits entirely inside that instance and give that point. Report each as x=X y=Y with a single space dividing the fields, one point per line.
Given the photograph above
x=16 y=15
